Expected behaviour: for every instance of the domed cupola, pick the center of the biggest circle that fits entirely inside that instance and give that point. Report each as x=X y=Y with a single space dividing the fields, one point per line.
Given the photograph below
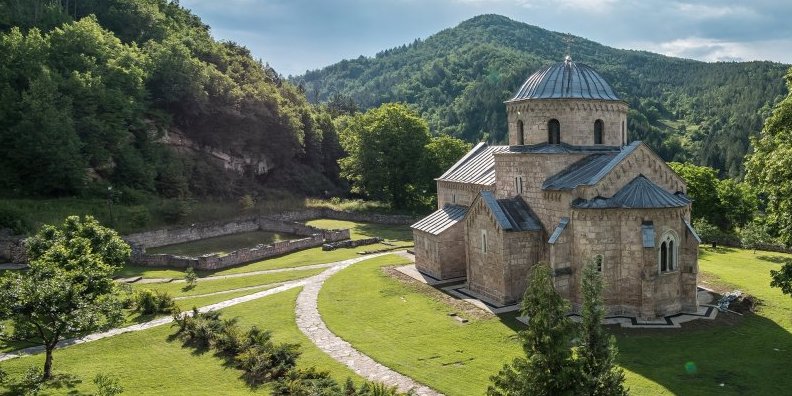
x=567 y=103
x=565 y=80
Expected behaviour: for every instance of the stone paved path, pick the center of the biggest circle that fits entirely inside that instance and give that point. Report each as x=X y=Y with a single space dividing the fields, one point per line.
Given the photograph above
x=310 y=322
x=244 y=274
x=155 y=322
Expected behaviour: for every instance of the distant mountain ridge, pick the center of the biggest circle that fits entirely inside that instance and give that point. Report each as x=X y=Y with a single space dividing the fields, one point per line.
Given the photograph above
x=458 y=78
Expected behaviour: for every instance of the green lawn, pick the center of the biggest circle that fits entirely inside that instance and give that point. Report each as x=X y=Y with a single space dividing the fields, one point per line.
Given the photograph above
x=400 y=235
x=210 y=285
x=408 y=328
x=223 y=244
x=151 y=363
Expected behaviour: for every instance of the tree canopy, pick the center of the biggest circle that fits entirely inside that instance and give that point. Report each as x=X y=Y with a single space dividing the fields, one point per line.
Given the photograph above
x=458 y=79
x=68 y=290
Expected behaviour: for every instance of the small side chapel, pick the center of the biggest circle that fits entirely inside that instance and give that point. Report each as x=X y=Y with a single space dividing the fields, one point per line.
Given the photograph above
x=567 y=190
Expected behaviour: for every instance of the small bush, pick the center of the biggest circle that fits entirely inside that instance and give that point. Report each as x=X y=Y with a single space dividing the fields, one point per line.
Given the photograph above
x=200 y=329
x=267 y=363
x=150 y=302
x=15 y=220
x=310 y=382
x=31 y=382
x=107 y=385
x=139 y=216
x=190 y=277
x=3 y=376
x=247 y=202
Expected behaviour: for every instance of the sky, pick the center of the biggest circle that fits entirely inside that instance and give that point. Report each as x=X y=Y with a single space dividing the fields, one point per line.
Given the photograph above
x=298 y=35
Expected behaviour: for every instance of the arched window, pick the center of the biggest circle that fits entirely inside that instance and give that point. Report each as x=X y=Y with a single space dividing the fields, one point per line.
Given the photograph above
x=624 y=135
x=553 y=132
x=599 y=126
x=520 y=135
x=668 y=252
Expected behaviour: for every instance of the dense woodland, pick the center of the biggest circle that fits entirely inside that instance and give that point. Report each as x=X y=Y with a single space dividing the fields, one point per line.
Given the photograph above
x=89 y=88
x=458 y=79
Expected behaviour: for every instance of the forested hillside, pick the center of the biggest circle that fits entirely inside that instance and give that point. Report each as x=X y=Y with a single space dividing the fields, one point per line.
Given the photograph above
x=89 y=90
x=458 y=78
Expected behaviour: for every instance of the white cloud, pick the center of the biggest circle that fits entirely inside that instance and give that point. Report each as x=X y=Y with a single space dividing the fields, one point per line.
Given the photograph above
x=704 y=11
x=712 y=50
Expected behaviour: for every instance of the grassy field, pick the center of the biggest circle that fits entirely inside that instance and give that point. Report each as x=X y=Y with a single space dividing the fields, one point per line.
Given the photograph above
x=210 y=285
x=407 y=327
x=222 y=244
x=150 y=362
x=398 y=235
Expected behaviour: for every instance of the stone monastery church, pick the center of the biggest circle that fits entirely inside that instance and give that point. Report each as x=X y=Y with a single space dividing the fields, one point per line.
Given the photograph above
x=567 y=190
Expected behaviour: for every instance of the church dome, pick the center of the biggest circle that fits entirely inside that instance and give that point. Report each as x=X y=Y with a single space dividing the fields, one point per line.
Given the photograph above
x=566 y=80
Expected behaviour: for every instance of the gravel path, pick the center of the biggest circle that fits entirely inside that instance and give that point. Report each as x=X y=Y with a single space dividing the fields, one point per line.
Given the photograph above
x=310 y=322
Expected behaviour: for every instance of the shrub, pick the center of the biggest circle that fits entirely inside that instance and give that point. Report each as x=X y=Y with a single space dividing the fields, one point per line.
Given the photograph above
x=175 y=210
x=139 y=216
x=247 y=202
x=267 y=363
x=107 y=385
x=190 y=277
x=308 y=383
x=15 y=220
x=150 y=302
x=31 y=382
x=3 y=376
x=200 y=329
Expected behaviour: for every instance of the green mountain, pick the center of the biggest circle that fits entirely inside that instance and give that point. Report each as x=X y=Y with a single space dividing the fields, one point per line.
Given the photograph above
x=458 y=79
x=137 y=95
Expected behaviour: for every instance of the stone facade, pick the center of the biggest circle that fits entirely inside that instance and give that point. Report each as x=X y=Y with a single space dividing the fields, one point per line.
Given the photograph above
x=441 y=256
x=593 y=197
x=576 y=118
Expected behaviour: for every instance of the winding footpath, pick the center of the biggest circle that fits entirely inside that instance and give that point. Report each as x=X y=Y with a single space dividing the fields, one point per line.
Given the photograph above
x=309 y=321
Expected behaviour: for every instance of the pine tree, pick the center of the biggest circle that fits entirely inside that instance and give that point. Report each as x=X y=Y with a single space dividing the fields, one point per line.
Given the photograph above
x=548 y=367
x=597 y=352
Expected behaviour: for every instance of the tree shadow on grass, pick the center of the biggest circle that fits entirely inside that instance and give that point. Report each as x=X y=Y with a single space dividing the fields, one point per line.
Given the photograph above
x=705 y=251
x=749 y=355
x=775 y=259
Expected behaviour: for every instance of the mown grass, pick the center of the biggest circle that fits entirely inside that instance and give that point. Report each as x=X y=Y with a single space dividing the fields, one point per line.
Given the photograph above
x=151 y=362
x=409 y=330
x=222 y=244
x=212 y=285
x=399 y=235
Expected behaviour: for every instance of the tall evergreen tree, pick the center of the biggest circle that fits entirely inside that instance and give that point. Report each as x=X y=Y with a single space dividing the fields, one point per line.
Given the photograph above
x=597 y=352
x=548 y=367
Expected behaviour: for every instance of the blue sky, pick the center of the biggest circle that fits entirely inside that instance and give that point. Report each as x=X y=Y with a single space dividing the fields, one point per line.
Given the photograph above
x=298 y=35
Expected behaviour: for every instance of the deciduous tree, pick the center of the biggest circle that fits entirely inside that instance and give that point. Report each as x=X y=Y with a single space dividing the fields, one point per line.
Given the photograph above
x=68 y=290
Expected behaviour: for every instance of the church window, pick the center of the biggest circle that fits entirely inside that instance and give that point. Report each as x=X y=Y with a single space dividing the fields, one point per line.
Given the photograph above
x=453 y=198
x=668 y=253
x=518 y=184
x=553 y=132
x=520 y=135
x=484 y=241
x=599 y=126
x=624 y=135
x=598 y=260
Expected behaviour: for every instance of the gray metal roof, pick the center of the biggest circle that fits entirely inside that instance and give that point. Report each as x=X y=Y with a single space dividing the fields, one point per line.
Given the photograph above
x=648 y=234
x=692 y=231
x=441 y=219
x=476 y=167
x=566 y=80
x=512 y=214
x=558 y=230
x=640 y=193
x=589 y=170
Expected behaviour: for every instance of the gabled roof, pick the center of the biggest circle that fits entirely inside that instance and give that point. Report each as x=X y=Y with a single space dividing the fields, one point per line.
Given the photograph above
x=512 y=214
x=476 y=167
x=441 y=219
x=589 y=170
x=640 y=193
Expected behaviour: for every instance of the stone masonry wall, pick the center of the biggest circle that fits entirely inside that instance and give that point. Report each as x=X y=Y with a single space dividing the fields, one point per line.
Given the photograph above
x=576 y=117
x=458 y=193
x=213 y=262
x=441 y=256
x=485 y=270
